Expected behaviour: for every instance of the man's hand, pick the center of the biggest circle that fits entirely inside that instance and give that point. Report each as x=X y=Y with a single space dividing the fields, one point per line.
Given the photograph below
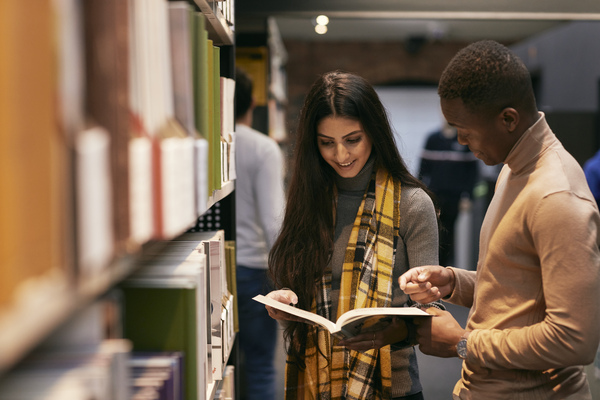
x=427 y=283
x=395 y=332
x=438 y=336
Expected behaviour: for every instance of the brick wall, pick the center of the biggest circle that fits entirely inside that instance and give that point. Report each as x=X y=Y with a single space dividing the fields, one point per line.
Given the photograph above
x=381 y=63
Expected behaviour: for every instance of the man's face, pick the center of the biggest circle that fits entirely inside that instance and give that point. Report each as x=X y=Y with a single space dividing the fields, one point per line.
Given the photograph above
x=487 y=137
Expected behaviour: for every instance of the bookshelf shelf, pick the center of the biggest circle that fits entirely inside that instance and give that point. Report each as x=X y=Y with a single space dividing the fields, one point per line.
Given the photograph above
x=220 y=194
x=29 y=321
x=219 y=28
x=46 y=305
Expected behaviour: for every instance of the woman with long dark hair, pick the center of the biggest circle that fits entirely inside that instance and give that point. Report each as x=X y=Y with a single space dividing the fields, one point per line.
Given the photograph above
x=355 y=220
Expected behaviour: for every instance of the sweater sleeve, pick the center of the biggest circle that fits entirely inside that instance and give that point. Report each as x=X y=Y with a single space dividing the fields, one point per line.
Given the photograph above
x=464 y=287
x=565 y=233
x=420 y=233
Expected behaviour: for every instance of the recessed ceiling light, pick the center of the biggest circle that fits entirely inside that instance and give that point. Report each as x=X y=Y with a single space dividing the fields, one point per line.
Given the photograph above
x=321 y=29
x=322 y=20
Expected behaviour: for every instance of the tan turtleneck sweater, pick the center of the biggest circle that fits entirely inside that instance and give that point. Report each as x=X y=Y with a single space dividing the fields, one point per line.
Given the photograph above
x=535 y=311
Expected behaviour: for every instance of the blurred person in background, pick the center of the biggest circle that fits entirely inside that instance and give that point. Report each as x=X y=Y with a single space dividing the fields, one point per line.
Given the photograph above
x=260 y=201
x=449 y=170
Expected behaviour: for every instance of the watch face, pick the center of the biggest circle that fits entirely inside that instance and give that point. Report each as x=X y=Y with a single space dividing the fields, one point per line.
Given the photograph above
x=461 y=348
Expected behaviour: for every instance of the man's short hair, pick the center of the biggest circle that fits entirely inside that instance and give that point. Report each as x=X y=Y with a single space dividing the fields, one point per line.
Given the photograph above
x=243 y=92
x=488 y=77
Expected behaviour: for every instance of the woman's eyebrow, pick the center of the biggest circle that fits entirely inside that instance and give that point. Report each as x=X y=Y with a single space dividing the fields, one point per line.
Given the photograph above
x=343 y=137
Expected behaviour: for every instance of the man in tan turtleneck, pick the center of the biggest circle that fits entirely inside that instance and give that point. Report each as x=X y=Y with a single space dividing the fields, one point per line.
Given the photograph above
x=535 y=314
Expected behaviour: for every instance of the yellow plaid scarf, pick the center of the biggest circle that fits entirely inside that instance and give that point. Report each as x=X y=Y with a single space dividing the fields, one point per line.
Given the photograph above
x=335 y=372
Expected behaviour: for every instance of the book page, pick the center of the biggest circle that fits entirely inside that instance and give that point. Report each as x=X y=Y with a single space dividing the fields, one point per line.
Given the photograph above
x=307 y=315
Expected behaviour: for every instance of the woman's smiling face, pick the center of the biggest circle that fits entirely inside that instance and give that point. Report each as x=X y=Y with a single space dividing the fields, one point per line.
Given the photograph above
x=343 y=144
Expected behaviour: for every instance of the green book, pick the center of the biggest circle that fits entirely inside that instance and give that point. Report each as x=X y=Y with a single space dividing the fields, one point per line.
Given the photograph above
x=166 y=308
x=210 y=54
x=162 y=319
x=201 y=95
x=216 y=146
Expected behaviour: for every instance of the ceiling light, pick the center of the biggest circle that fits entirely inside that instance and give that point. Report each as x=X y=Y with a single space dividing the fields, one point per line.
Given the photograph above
x=321 y=29
x=322 y=20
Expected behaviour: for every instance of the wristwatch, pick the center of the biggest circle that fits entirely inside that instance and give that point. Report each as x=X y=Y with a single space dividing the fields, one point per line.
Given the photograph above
x=461 y=346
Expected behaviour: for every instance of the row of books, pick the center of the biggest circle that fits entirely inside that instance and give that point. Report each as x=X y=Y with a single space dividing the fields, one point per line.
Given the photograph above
x=168 y=329
x=182 y=299
x=109 y=371
x=221 y=18
x=92 y=372
x=227 y=8
x=115 y=130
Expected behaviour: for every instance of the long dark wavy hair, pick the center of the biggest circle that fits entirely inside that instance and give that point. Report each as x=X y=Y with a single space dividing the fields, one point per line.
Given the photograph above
x=302 y=251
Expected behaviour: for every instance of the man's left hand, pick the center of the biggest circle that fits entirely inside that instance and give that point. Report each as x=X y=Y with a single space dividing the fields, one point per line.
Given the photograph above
x=438 y=336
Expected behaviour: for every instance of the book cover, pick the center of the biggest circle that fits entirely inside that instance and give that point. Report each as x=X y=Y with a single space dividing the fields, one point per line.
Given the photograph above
x=93 y=178
x=201 y=73
x=201 y=115
x=352 y=322
x=227 y=89
x=161 y=315
x=140 y=189
x=216 y=134
x=166 y=264
x=232 y=280
x=34 y=160
x=180 y=33
x=106 y=27
x=213 y=245
x=201 y=174
x=210 y=136
x=37 y=242
x=92 y=372
x=175 y=183
x=141 y=196
x=159 y=372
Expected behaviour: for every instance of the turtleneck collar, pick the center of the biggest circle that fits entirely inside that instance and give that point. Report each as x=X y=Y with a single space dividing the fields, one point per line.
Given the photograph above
x=358 y=182
x=530 y=146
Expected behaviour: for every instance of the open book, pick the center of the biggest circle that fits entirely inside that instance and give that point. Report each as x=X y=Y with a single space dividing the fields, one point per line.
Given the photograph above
x=352 y=322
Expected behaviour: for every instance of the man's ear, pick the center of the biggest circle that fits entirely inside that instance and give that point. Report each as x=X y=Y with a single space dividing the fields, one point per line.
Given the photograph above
x=510 y=118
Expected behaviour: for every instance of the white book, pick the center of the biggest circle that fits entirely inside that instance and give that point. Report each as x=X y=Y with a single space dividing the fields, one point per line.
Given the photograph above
x=177 y=184
x=169 y=163
x=186 y=182
x=140 y=190
x=201 y=174
x=213 y=243
x=95 y=236
x=232 y=174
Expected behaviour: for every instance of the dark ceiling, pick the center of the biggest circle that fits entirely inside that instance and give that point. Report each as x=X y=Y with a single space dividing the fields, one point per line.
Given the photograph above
x=507 y=20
